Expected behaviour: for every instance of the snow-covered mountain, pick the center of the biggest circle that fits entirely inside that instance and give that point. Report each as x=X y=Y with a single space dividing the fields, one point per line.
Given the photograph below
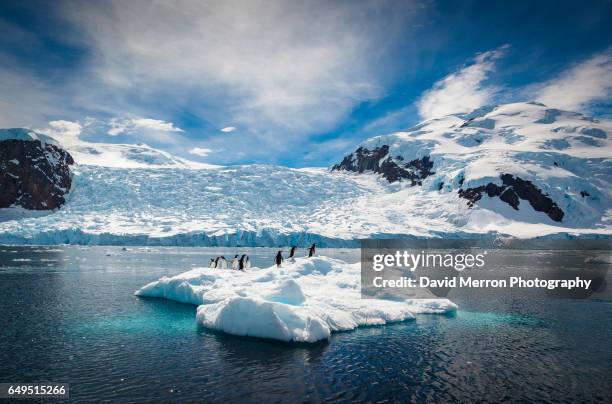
x=542 y=163
x=127 y=156
x=117 y=155
x=498 y=170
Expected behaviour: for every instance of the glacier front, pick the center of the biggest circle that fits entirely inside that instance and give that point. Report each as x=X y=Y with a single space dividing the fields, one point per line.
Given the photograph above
x=304 y=301
x=265 y=206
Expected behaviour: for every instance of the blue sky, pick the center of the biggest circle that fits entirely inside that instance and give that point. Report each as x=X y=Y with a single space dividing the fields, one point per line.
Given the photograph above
x=292 y=83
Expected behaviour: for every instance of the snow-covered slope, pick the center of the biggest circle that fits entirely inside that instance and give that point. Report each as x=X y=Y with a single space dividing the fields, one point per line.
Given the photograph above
x=554 y=159
x=520 y=161
x=126 y=156
x=26 y=135
x=106 y=154
x=304 y=301
x=111 y=154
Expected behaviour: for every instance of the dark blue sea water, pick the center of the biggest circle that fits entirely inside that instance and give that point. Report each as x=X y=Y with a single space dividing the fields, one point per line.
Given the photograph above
x=68 y=314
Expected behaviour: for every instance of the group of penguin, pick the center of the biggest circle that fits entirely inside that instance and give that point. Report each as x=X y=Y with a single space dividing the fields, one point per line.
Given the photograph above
x=240 y=264
x=278 y=260
x=244 y=261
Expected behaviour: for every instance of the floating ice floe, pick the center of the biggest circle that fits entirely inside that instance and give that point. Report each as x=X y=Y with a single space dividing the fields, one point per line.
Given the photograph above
x=303 y=301
x=599 y=259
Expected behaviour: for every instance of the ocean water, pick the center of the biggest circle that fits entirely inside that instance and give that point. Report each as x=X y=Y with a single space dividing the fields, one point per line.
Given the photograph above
x=68 y=314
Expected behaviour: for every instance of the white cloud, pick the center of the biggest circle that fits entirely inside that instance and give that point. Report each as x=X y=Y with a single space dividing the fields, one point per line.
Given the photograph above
x=137 y=129
x=200 y=151
x=63 y=131
x=463 y=90
x=280 y=68
x=228 y=129
x=281 y=71
x=580 y=85
x=120 y=126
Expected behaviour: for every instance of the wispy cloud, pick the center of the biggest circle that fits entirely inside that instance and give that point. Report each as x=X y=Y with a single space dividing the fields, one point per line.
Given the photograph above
x=463 y=90
x=120 y=126
x=200 y=151
x=285 y=73
x=281 y=71
x=132 y=129
x=579 y=86
x=276 y=67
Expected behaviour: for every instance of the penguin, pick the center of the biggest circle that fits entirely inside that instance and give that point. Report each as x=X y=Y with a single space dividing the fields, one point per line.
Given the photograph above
x=243 y=262
x=235 y=262
x=211 y=264
x=248 y=262
x=311 y=250
x=292 y=253
x=222 y=263
x=279 y=258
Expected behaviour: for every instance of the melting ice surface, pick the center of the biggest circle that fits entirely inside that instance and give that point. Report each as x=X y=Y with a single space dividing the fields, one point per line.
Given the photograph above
x=303 y=301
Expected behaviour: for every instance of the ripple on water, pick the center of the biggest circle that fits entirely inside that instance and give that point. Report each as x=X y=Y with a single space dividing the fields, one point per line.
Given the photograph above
x=79 y=322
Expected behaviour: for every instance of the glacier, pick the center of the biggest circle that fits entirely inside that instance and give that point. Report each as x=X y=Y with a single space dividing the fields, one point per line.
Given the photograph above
x=259 y=206
x=156 y=199
x=303 y=301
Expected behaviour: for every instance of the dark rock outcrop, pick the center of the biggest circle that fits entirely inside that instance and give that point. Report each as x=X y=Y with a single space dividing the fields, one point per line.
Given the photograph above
x=33 y=175
x=392 y=169
x=513 y=189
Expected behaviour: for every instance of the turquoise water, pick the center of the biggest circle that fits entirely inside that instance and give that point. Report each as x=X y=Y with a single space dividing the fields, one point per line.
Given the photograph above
x=68 y=314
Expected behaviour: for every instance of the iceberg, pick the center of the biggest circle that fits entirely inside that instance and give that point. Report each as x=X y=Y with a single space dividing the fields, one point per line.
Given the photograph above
x=303 y=301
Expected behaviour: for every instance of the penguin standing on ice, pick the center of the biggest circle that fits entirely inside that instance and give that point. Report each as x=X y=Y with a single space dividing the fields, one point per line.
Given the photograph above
x=235 y=263
x=279 y=258
x=292 y=253
x=220 y=262
x=312 y=250
x=212 y=264
x=243 y=261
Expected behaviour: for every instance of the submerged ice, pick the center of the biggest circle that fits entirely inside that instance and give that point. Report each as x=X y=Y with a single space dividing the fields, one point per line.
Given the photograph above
x=303 y=301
